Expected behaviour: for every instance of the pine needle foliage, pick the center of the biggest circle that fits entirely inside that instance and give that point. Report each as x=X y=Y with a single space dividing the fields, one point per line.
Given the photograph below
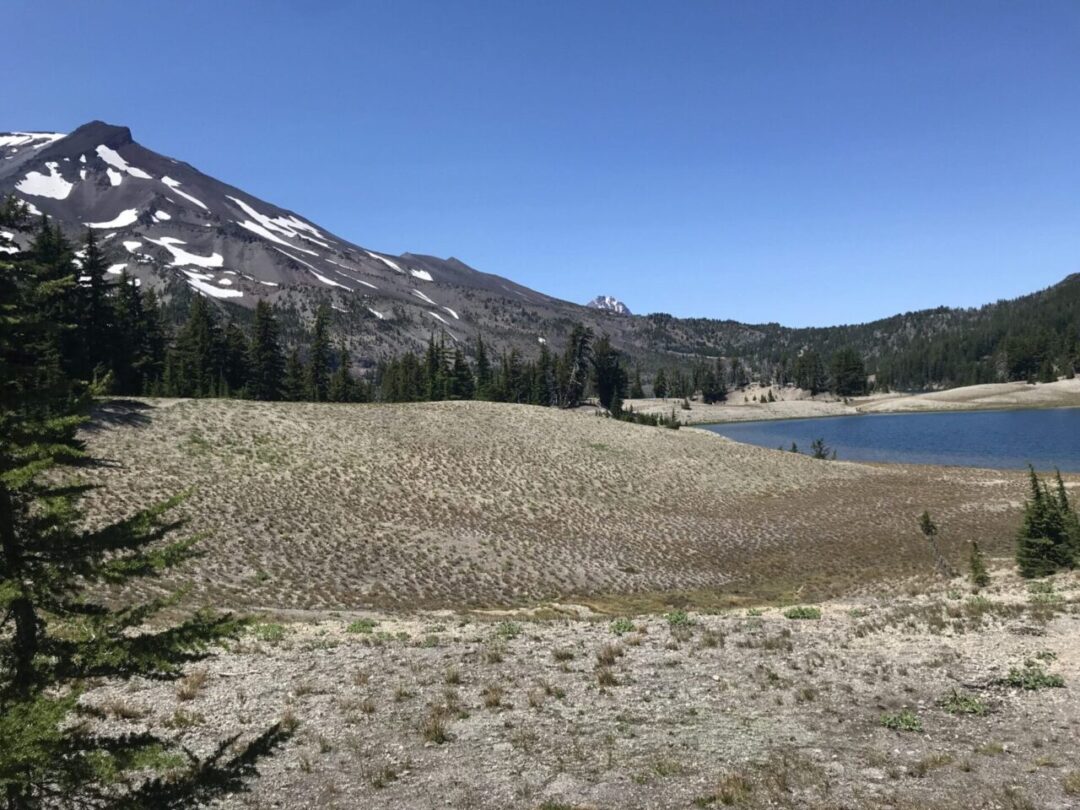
x=1049 y=536
x=54 y=635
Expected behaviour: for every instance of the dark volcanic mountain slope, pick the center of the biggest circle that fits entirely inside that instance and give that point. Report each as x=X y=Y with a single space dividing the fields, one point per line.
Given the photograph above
x=180 y=231
x=169 y=224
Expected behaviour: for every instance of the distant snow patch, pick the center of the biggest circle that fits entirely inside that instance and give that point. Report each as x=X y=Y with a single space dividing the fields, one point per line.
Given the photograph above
x=377 y=314
x=386 y=261
x=82 y=158
x=182 y=258
x=423 y=275
x=227 y=282
x=35 y=140
x=132 y=246
x=162 y=216
x=175 y=186
x=33 y=209
x=328 y=281
x=456 y=318
x=423 y=297
x=82 y=174
x=123 y=219
x=52 y=185
x=113 y=158
x=212 y=291
x=115 y=177
x=117 y=269
x=286 y=226
x=258 y=229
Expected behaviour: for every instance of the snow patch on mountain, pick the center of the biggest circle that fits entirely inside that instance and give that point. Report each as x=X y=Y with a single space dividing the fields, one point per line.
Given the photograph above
x=52 y=185
x=328 y=281
x=122 y=220
x=113 y=158
x=35 y=140
x=392 y=265
x=182 y=258
x=175 y=186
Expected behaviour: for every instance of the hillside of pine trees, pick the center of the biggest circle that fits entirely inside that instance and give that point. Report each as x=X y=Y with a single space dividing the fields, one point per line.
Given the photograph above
x=137 y=343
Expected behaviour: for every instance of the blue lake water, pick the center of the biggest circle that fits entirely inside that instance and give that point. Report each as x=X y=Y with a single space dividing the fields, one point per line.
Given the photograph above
x=997 y=439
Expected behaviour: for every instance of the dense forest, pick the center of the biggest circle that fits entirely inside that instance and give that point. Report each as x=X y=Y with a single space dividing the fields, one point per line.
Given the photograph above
x=1035 y=337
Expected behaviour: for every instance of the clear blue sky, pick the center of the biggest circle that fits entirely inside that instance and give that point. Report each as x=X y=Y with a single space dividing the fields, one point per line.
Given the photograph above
x=803 y=162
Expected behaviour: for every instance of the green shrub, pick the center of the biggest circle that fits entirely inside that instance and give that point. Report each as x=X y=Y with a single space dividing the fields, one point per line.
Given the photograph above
x=905 y=720
x=1032 y=677
x=961 y=703
x=361 y=626
x=622 y=625
x=803 y=612
x=678 y=618
x=508 y=630
x=272 y=632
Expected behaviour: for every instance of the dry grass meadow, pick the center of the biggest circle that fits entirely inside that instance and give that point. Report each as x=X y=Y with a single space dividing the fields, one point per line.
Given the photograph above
x=470 y=605
x=470 y=504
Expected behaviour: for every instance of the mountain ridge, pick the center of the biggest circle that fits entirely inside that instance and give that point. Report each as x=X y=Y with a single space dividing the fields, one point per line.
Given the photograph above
x=183 y=232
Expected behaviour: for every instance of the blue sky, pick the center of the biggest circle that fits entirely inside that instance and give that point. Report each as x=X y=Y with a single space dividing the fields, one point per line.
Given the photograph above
x=802 y=162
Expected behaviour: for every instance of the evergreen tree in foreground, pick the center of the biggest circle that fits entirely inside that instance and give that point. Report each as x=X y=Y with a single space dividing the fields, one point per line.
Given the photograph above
x=1049 y=536
x=56 y=635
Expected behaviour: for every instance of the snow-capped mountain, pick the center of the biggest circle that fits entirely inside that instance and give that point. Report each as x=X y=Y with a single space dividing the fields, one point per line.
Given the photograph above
x=609 y=304
x=171 y=226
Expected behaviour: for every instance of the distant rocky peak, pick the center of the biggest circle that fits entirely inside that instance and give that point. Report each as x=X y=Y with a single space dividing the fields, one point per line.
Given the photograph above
x=609 y=304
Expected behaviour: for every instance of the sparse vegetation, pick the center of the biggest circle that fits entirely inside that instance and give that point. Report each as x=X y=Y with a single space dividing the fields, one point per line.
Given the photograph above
x=905 y=720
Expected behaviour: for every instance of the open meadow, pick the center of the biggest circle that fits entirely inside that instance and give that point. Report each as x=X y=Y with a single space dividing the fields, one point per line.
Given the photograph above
x=448 y=505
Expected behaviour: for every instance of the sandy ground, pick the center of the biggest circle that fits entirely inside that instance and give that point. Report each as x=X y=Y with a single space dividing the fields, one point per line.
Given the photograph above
x=739 y=708
x=793 y=403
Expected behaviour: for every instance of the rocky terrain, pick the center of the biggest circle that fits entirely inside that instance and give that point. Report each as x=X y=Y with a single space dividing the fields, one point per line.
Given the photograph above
x=918 y=694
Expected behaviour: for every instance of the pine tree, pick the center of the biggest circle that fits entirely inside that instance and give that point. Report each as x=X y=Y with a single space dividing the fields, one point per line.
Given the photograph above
x=660 y=385
x=637 y=391
x=197 y=359
x=129 y=323
x=295 y=386
x=483 y=370
x=266 y=363
x=341 y=383
x=609 y=376
x=95 y=316
x=809 y=372
x=462 y=385
x=60 y=635
x=574 y=368
x=236 y=350
x=318 y=367
x=848 y=373
x=1049 y=536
